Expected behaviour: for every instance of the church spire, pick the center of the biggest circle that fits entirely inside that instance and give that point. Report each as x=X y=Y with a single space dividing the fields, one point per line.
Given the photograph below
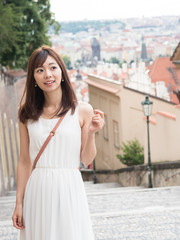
x=144 y=55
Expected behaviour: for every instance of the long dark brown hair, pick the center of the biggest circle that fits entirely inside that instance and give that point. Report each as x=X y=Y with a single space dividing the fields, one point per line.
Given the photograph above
x=33 y=97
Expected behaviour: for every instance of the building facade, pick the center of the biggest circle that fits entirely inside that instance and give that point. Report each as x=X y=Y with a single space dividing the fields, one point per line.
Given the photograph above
x=124 y=121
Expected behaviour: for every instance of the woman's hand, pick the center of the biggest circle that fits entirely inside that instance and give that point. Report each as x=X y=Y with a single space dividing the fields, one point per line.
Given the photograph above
x=18 y=217
x=97 y=121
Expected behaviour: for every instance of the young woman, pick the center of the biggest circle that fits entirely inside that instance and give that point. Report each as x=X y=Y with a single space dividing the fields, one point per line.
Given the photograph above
x=51 y=203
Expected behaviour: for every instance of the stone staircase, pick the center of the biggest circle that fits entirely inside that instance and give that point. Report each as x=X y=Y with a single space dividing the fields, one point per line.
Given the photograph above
x=119 y=213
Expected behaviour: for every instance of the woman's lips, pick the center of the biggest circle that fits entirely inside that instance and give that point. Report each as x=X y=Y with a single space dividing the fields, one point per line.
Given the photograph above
x=49 y=83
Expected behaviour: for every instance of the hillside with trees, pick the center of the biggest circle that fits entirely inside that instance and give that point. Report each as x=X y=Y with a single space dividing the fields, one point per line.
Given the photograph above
x=78 y=26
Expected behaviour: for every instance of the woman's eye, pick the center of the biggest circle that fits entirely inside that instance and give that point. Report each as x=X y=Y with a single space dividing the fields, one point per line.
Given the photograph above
x=54 y=67
x=39 y=70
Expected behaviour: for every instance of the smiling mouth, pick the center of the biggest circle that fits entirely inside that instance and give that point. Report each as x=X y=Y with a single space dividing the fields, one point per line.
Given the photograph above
x=49 y=82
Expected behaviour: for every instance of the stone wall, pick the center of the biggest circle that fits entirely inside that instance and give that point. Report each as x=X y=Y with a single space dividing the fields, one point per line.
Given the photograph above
x=163 y=175
x=9 y=153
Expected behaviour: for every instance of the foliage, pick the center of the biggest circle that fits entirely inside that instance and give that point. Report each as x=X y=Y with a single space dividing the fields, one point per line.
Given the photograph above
x=77 y=63
x=23 y=28
x=114 y=60
x=67 y=61
x=8 y=38
x=121 y=63
x=133 y=153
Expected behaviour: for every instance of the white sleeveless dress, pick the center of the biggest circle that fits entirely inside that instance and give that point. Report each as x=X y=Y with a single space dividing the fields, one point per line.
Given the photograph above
x=55 y=205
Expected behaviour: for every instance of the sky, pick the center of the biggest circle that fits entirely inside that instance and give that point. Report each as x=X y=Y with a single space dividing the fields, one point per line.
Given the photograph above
x=70 y=10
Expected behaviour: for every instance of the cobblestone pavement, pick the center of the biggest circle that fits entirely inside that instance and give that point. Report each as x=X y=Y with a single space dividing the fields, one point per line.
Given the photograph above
x=120 y=213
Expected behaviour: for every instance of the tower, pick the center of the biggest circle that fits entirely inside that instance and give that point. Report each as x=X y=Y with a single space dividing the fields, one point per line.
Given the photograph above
x=144 y=56
x=95 y=49
x=78 y=75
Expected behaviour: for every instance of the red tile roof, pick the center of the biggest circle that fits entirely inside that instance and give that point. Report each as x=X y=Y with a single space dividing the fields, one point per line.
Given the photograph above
x=83 y=91
x=164 y=70
x=159 y=72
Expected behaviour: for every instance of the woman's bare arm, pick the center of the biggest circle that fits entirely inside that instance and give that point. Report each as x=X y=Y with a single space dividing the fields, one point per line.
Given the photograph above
x=23 y=172
x=91 y=123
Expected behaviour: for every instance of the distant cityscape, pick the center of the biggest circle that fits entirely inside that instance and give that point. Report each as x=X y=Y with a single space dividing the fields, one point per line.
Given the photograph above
x=122 y=50
x=120 y=39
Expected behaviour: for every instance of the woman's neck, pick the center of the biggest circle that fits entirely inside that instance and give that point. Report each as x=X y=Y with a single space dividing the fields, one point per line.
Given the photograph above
x=53 y=99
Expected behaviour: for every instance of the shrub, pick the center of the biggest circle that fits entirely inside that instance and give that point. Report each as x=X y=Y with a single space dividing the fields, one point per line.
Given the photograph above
x=133 y=153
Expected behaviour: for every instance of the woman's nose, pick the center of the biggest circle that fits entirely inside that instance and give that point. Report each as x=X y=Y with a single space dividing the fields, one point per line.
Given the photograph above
x=48 y=73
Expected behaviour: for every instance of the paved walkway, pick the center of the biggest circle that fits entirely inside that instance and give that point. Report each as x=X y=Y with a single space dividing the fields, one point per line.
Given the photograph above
x=120 y=213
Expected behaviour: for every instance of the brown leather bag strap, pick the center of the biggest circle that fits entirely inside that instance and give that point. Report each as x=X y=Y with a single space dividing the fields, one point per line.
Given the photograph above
x=51 y=134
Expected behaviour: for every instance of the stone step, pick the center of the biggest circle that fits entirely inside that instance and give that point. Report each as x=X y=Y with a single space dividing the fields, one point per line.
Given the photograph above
x=90 y=184
x=107 y=188
x=11 y=193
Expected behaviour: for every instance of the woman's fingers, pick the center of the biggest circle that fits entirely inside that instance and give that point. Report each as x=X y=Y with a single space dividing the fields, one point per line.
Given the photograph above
x=96 y=116
x=98 y=119
x=20 y=221
x=17 y=217
x=14 y=221
x=17 y=222
x=99 y=112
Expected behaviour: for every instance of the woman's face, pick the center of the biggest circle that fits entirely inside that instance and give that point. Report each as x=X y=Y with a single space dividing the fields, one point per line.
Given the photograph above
x=48 y=76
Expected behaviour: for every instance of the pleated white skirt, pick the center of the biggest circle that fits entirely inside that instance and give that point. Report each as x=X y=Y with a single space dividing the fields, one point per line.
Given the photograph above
x=55 y=206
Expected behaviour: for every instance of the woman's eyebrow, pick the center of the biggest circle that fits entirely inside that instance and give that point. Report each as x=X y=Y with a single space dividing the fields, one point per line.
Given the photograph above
x=52 y=63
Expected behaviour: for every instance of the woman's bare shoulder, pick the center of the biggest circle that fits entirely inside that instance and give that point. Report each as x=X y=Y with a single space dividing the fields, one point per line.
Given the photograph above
x=85 y=107
x=85 y=112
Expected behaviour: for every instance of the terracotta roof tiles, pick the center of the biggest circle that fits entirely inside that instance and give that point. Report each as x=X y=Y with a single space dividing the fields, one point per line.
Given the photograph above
x=164 y=70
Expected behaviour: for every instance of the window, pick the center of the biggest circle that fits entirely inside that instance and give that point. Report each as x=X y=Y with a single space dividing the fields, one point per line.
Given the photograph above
x=105 y=129
x=116 y=134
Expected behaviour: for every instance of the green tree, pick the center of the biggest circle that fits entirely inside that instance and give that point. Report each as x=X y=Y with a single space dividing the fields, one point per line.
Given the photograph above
x=77 y=26
x=121 y=63
x=67 y=61
x=133 y=153
x=114 y=60
x=8 y=37
x=23 y=28
x=77 y=63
